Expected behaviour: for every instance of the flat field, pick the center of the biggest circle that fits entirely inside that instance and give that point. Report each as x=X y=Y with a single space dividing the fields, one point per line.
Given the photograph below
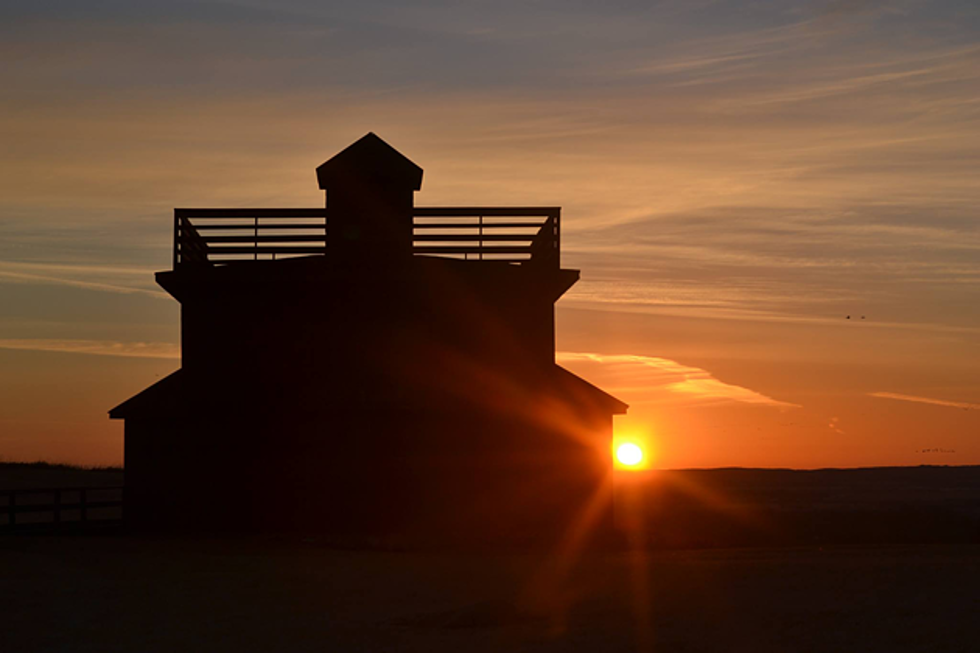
x=725 y=560
x=86 y=593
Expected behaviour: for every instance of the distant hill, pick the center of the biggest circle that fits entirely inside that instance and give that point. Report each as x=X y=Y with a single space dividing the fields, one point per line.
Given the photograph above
x=766 y=507
x=27 y=476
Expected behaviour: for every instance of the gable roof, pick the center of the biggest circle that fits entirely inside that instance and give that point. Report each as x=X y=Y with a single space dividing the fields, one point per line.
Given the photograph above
x=373 y=159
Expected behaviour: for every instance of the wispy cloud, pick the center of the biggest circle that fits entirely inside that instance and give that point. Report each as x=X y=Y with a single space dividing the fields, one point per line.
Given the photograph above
x=926 y=400
x=99 y=278
x=648 y=379
x=729 y=303
x=97 y=347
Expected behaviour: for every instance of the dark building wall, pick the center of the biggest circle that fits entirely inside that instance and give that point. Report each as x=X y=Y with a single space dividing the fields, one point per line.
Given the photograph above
x=467 y=475
x=185 y=474
x=417 y=397
x=309 y=321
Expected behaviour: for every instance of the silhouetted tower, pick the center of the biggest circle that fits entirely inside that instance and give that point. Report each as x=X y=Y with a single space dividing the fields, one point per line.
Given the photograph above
x=372 y=366
x=370 y=194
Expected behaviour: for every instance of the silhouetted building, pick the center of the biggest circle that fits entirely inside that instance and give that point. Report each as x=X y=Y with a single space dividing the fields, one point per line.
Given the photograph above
x=369 y=367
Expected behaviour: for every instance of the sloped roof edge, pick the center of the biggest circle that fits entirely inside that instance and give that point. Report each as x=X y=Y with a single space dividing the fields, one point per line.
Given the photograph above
x=163 y=393
x=614 y=405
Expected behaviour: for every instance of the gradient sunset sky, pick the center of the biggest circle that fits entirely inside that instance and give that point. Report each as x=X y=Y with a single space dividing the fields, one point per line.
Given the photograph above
x=736 y=179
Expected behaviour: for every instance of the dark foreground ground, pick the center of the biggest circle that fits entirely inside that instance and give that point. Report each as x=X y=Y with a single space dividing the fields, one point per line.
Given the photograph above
x=87 y=593
x=726 y=560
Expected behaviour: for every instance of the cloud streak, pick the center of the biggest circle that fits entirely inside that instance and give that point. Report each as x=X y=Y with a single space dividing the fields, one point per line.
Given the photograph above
x=648 y=379
x=75 y=277
x=925 y=400
x=96 y=347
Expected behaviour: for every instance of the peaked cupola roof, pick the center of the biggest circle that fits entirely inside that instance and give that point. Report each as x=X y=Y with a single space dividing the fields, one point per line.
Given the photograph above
x=370 y=158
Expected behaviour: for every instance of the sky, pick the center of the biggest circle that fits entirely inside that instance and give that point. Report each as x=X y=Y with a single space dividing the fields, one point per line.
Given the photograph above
x=736 y=179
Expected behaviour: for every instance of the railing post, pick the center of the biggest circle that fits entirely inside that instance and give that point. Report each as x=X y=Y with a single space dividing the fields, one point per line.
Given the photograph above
x=557 y=218
x=82 y=505
x=481 y=237
x=176 y=238
x=256 y=258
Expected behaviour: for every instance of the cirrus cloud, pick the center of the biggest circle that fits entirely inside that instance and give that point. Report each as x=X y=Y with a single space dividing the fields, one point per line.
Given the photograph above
x=649 y=379
x=925 y=400
x=97 y=347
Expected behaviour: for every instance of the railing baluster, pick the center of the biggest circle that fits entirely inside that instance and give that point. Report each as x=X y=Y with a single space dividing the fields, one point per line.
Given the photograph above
x=57 y=506
x=12 y=509
x=82 y=505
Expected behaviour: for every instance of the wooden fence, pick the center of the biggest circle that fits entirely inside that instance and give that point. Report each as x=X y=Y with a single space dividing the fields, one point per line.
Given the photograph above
x=56 y=507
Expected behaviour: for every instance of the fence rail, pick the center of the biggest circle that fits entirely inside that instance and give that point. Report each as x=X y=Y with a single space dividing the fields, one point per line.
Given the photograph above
x=59 y=506
x=518 y=235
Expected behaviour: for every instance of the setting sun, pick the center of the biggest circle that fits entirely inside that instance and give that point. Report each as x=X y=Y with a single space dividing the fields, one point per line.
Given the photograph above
x=629 y=454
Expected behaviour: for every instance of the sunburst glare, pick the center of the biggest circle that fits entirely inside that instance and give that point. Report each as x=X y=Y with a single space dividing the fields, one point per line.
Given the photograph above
x=629 y=454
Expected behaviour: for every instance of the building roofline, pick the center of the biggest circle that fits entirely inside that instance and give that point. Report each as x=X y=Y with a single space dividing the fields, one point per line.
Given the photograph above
x=611 y=403
x=149 y=398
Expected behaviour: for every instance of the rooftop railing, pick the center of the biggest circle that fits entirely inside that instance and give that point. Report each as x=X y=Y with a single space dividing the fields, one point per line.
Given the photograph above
x=515 y=235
